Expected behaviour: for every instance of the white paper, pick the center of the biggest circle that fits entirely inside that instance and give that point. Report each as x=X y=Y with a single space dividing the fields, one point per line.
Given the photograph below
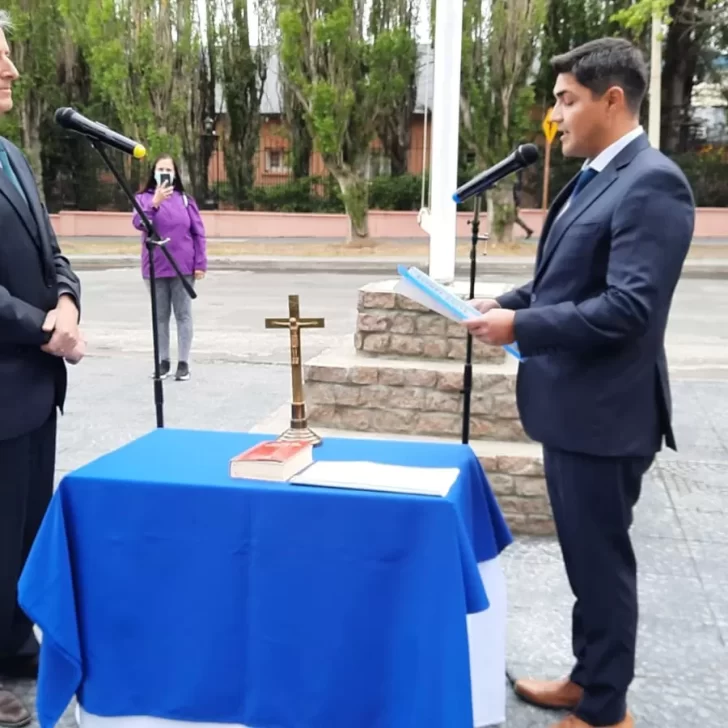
x=419 y=287
x=410 y=290
x=365 y=475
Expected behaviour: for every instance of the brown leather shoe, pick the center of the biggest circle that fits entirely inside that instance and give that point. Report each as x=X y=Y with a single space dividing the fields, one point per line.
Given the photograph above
x=556 y=694
x=13 y=714
x=571 y=721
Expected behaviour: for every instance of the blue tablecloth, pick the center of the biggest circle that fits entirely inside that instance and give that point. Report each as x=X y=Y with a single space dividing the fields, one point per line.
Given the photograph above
x=165 y=588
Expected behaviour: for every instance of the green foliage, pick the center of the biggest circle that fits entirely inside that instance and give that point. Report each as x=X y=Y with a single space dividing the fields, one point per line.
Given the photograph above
x=308 y=194
x=10 y=128
x=393 y=75
x=348 y=86
x=402 y=192
x=568 y=24
x=323 y=195
x=141 y=54
x=498 y=52
x=36 y=45
x=707 y=174
x=637 y=16
x=243 y=73
x=325 y=59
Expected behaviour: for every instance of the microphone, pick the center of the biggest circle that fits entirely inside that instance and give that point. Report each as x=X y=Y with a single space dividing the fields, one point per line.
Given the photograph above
x=525 y=155
x=73 y=121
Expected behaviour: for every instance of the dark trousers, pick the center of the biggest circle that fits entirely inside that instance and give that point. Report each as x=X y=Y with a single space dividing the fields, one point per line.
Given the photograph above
x=27 y=465
x=592 y=500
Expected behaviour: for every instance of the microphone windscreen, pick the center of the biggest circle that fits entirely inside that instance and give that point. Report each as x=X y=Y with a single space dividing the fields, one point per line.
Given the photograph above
x=63 y=115
x=528 y=153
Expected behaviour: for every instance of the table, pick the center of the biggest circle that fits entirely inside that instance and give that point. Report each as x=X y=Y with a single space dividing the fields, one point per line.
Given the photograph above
x=166 y=589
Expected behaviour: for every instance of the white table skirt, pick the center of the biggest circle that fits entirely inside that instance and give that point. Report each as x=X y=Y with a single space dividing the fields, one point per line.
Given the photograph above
x=487 y=638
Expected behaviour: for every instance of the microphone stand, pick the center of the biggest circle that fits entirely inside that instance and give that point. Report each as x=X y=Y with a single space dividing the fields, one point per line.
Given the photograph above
x=468 y=370
x=152 y=241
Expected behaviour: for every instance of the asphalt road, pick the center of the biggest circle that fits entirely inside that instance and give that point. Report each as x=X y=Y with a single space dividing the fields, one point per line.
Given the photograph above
x=231 y=308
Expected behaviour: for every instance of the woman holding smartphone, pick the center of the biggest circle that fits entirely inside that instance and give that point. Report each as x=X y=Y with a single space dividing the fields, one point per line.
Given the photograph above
x=175 y=215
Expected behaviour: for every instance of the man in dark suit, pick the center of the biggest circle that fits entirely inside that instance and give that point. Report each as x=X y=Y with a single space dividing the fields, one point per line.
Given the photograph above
x=39 y=313
x=593 y=388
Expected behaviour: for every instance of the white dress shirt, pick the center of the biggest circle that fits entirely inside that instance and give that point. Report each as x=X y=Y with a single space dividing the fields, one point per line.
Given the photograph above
x=600 y=162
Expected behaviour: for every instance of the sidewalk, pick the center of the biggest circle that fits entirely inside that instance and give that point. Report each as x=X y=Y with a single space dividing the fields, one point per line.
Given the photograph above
x=713 y=268
x=381 y=258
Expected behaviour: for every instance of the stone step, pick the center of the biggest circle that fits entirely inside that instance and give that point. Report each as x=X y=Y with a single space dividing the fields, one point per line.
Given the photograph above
x=514 y=471
x=346 y=390
x=390 y=325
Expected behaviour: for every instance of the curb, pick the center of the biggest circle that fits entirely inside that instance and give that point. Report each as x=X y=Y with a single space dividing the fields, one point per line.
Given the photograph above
x=715 y=269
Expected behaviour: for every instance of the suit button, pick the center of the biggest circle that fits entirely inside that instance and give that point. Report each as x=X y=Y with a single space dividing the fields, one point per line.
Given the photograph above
x=533 y=298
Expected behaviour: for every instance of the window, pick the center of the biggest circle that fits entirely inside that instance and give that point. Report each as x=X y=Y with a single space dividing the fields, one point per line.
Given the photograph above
x=378 y=164
x=275 y=161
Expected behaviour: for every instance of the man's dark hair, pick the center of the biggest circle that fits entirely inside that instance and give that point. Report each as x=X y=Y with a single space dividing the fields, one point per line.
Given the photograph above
x=600 y=64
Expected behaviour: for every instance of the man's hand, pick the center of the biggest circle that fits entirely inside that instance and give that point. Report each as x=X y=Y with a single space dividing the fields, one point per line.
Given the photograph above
x=484 y=305
x=78 y=353
x=50 y=321
x=63 y=322
x=494 y=327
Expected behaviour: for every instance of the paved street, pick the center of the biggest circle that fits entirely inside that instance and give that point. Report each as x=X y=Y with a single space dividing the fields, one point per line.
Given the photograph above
x=240 y=375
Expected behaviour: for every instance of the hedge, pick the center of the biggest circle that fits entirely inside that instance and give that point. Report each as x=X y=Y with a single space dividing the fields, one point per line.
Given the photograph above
x=707 y=173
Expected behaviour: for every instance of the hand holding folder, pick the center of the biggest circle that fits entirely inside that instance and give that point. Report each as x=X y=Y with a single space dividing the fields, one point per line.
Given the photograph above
x=419 y=287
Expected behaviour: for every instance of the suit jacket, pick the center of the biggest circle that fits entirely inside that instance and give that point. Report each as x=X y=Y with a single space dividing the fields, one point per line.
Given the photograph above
x=591 y=324
x=33 y=274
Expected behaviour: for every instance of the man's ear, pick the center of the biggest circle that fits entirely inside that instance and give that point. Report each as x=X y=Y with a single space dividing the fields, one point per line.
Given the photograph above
x=615 y=97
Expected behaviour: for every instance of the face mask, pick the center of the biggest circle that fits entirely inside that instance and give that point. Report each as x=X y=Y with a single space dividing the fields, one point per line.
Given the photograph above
x=159 y=176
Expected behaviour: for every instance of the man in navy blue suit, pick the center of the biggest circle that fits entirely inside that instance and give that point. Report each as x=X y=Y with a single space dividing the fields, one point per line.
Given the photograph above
x=593 y=388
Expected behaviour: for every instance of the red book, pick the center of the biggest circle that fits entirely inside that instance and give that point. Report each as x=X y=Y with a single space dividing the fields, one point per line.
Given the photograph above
x=272 y=460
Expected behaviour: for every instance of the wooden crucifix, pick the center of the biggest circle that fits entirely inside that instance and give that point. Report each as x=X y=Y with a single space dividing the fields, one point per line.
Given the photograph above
x=299 y=429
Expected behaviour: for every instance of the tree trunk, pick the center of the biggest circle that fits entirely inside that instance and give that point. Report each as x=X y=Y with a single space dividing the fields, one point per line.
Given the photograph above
x=683 y=46
x=500 y=223
x=355 y=193
x=31 y=142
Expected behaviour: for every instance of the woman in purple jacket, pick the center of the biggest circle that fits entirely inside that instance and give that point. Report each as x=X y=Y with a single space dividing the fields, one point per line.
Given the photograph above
x=175 y=216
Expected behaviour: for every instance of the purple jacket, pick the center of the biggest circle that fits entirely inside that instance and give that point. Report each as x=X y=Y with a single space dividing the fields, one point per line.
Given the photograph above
x=183 y=226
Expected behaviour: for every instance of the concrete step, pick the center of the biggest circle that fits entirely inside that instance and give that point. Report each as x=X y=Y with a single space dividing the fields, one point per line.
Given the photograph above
x=514 y=470
x=348 y=390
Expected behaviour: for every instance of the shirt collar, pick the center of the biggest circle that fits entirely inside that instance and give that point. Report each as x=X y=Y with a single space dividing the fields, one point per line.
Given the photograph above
x=605 y=157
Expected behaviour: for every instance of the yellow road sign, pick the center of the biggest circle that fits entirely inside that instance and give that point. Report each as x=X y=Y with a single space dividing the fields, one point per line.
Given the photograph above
x=548 y=126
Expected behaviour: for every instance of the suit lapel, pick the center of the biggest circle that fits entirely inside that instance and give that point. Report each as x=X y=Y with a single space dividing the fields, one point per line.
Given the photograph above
x=30 y=212
x=554 y=210
x=586 y=198
x=7 y=188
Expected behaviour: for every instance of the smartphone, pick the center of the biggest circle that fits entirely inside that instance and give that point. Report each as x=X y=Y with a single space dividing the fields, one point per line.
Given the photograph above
x=165 y=179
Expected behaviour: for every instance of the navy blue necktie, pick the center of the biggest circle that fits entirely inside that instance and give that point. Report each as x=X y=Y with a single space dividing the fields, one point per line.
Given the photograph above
x=585 y=177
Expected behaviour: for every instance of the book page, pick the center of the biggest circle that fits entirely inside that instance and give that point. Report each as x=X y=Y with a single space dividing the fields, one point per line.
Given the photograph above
x=365 y=475
x=419 y=287
x=434 y=295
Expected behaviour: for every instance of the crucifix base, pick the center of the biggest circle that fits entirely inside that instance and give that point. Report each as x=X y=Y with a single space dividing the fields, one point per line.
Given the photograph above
x=304 y=435
x=299 y=431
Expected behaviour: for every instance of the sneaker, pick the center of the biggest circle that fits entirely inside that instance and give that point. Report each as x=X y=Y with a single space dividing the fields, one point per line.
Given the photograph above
x=183 y=372
x=164 y=369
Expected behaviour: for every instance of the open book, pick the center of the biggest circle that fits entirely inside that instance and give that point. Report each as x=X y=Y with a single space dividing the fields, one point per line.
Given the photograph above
x=366 y=475
x=419 y=287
